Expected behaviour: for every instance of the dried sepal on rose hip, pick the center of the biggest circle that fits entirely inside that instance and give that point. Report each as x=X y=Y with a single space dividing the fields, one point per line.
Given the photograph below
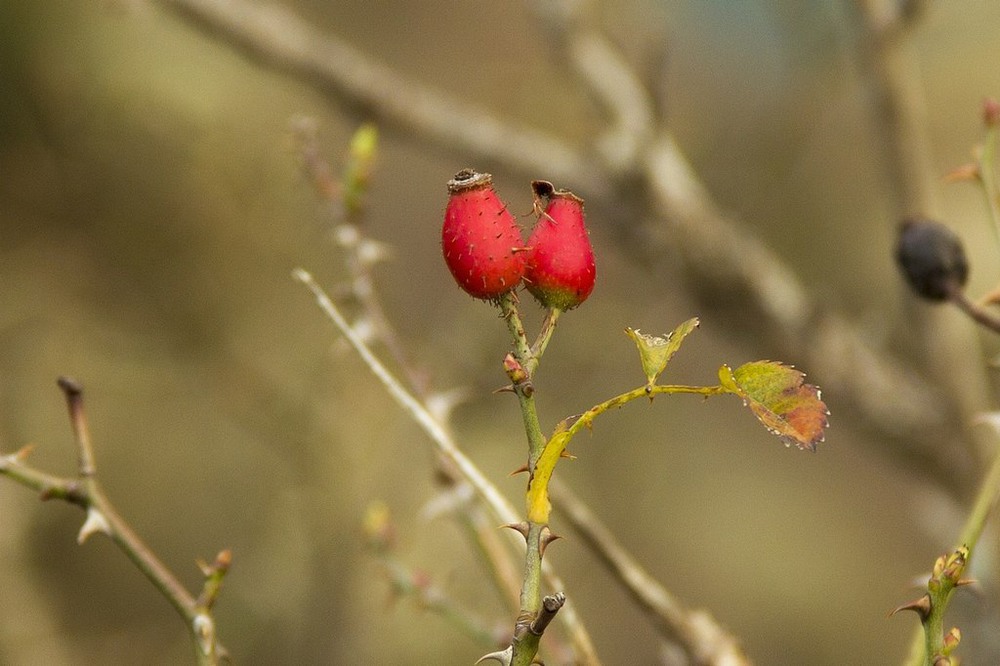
x=560 y=270
x=932 y=258
x=481 y=241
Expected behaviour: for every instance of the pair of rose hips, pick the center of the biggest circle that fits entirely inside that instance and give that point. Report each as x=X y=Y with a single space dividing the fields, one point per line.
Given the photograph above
x=488 y=257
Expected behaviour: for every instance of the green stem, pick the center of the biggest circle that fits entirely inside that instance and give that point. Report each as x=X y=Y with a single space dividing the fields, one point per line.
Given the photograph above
x=508 y=307
x=48 y=486
x=531 y=594
x=929 y=639
x=532 y=428
x=538 y=502
x=933 y=636
x=544 y=335
x=525 y=643
x=587 y=418
x=529 y=361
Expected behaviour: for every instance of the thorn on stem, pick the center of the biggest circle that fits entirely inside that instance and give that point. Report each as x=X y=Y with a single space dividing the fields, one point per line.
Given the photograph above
x=204 y=629
x=921 y=607
x=547 y=537
x=504 y=656
x=521 y=528
x=95 y=522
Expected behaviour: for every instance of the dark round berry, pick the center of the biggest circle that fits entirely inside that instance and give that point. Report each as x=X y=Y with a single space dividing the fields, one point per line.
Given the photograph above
x=931 y=258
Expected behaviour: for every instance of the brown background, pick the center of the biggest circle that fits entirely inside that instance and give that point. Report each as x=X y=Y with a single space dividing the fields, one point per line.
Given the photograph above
x=152 y=208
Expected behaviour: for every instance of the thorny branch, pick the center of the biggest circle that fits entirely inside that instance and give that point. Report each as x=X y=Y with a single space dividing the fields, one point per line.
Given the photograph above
x=446 y=447
x=85 y=491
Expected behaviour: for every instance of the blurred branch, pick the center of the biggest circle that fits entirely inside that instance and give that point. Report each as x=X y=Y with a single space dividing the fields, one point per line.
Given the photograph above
x=728 y=267
x=896 y=96
x=443 y=442
x=346 y=196
x=85 y=492
x=380 y=540
x=975 y=311
x=704 y=641
x=890 y=71
x=277 y=37
x=446 y=447
x=601 y=70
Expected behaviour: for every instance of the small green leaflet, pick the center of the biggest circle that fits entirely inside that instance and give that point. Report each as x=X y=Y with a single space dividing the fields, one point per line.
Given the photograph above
x=655 y=351
x=781 y=400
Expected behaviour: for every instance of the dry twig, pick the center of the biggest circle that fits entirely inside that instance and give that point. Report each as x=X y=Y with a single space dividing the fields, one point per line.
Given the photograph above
x=85 y=491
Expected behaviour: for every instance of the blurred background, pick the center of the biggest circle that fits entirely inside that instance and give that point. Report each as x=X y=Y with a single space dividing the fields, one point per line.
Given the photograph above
x=153 y=206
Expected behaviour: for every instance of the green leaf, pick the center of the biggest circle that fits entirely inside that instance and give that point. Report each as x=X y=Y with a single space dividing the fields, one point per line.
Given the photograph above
x=655 y=351
x=781 y=400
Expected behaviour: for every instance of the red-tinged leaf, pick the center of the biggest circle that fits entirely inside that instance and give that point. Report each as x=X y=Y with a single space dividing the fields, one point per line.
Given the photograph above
x=781 y=400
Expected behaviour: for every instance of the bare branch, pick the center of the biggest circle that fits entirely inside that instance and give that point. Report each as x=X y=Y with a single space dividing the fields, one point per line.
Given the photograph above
x=85 y=491
x=276 y=37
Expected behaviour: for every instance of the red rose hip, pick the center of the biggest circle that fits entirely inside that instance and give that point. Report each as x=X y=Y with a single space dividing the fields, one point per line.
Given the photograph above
x=560 y=269
x=480 y=239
